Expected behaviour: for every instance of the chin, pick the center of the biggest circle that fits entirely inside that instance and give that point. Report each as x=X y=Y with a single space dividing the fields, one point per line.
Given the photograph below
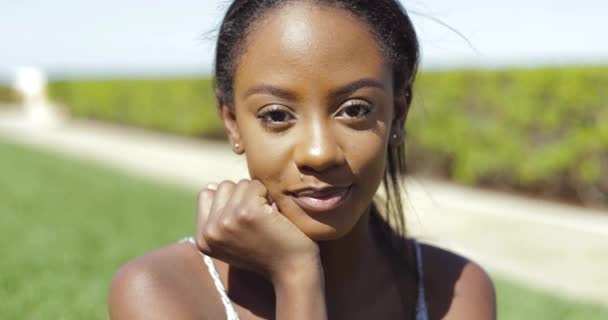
x=326 y=228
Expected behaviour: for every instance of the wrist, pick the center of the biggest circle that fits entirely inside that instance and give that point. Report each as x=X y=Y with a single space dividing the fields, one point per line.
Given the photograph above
x=305 y=270
x=300 y=293
x=300 y=290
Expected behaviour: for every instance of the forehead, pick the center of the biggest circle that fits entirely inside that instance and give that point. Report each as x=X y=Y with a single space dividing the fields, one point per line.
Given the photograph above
x=311 y=44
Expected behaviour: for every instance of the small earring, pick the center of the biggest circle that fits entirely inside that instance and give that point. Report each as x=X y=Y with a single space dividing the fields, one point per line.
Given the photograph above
x=395 y=136
x=236 y=145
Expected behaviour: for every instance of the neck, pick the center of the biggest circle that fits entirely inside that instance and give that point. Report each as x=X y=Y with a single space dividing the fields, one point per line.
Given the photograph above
x=346 y=260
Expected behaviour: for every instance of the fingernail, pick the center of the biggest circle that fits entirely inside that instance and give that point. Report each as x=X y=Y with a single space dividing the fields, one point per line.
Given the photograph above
x=212 y=186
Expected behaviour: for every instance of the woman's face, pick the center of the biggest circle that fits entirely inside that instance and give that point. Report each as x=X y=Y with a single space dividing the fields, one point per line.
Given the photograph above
x=313 y=112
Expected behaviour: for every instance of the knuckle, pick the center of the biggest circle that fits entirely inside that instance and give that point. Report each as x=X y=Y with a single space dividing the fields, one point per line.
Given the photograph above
x=201 y=243
x=211 y=234
x=245 y=215
x=227 y=225
x=258 y=185
x=226 y=184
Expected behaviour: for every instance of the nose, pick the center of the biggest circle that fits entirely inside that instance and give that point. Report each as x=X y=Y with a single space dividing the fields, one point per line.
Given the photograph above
x=317 y=148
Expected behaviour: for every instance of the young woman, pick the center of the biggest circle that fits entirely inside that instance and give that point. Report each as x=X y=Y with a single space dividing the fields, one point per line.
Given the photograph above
x=315 y=94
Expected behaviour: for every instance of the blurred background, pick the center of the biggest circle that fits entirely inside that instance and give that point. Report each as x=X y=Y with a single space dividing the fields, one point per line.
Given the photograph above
x=108 y=129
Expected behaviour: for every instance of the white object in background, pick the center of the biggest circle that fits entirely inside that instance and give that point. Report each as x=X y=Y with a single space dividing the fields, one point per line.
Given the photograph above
x=30 y=83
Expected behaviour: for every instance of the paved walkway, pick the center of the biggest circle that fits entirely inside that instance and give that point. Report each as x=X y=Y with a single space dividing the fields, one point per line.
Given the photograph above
x=545 y=245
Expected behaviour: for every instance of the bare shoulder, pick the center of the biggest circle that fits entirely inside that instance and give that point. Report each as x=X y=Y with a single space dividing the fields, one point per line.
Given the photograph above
x=168 y=283
x=456 y=287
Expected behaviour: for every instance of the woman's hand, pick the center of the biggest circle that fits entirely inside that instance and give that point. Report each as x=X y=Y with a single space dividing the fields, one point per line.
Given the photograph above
x=239 y=225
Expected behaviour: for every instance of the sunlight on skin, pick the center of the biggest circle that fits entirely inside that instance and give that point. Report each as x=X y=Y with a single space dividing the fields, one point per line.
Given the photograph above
x=297 y=35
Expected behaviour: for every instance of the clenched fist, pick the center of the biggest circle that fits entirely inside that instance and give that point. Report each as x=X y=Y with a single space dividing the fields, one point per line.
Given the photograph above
x=237 y=224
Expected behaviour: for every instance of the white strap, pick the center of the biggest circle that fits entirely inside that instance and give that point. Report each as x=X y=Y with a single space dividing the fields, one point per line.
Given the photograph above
x=421 y=309
x=230 y=312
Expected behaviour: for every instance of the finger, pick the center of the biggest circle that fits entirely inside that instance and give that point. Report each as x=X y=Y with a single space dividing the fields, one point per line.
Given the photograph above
x=238 y=196
x=205 y=201
x=258 y=189
x=222 y=196
x=260 y=196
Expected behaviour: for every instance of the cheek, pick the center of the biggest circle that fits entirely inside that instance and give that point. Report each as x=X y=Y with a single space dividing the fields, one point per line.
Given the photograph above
x=368 y=161
x=367 y=148
x=267 y=158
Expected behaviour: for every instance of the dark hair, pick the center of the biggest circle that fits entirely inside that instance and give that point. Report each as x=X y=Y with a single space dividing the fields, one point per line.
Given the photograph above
x=389 y=23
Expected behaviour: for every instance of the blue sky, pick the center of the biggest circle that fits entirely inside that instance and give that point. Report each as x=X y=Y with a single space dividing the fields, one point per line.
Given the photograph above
x=113 y=37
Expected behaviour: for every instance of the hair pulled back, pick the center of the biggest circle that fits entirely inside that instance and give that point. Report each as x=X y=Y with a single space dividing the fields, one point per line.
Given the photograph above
x=388 y=21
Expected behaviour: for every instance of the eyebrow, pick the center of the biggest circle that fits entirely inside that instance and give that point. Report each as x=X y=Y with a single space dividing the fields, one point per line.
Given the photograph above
x=290 y=95
x=356 y=85
x=272 y=90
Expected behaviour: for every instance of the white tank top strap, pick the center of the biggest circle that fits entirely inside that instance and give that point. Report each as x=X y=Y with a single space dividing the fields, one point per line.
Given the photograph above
x=421 y=308
x=230 y=312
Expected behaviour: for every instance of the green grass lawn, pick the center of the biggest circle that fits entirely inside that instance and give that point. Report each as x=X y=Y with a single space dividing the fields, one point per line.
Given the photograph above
x=66 y=226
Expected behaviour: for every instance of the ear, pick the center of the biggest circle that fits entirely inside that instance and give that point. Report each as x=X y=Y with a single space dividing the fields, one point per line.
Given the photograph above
x=232 y=129
x=401 y=108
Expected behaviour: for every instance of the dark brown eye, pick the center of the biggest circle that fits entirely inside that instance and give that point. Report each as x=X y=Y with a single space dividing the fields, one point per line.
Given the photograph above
x=355 y=110
x=275 y=117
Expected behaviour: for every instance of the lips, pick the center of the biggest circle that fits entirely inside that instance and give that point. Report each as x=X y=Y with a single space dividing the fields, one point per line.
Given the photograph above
x=323 y=199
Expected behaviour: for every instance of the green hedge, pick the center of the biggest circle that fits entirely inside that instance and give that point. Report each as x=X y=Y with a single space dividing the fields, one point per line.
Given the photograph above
x=541 y=131
x=182 y=106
